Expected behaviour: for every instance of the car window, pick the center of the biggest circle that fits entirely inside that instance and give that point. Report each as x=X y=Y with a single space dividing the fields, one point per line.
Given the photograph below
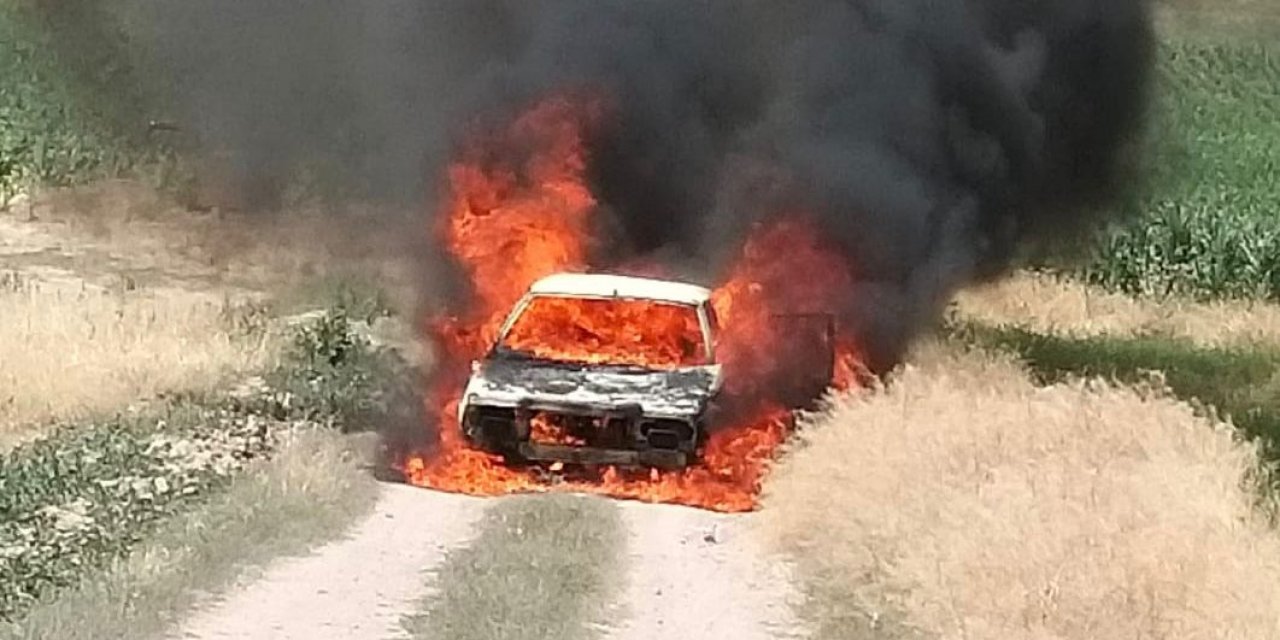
x=617 y=331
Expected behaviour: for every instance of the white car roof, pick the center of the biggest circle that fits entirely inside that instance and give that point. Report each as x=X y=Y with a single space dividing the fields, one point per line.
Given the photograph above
x=594 y=285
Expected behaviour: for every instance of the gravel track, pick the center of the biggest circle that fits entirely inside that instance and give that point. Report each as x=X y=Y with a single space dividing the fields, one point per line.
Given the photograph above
x=697 y=574
x=354 y=588
x=691 y=574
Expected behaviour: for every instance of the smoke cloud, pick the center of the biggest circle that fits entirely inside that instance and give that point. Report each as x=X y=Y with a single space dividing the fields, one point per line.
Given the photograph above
x=930 y=140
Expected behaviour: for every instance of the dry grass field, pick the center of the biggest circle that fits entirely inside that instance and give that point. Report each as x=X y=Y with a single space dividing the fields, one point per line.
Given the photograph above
x=1241 y=18
x=68 y=351
x=111 y=294
x=975 y=496
x=1045 y=304
x=963 y=501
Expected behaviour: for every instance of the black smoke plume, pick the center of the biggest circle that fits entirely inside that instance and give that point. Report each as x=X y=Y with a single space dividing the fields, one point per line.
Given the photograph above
x=931 y=140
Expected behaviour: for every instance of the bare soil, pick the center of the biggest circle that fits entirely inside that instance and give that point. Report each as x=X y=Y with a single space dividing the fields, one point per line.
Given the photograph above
x=122 y=233
x=698 y=574
x=359 y=587
x=95 y=236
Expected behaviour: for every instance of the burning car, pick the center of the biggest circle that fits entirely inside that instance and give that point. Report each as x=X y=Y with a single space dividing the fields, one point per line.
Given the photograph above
x=603 y=370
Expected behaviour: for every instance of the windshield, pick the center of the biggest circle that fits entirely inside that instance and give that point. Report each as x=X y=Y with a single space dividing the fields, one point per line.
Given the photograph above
x=617 y=331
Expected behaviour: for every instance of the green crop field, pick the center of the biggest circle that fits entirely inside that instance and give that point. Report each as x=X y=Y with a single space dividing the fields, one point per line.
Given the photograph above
x=72 y=107
x=1210 y=226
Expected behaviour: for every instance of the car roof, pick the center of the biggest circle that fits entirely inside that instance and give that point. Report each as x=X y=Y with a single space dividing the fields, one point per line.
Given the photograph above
x=599 y=285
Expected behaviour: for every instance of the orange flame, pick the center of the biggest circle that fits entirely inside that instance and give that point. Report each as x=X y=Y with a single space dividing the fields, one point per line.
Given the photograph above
x=627 y=332
x=519 y=208
x=784 y=267
x=547 y=429
x=513 y=221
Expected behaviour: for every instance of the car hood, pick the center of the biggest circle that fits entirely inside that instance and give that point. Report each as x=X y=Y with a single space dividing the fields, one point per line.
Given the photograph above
x=680 y=393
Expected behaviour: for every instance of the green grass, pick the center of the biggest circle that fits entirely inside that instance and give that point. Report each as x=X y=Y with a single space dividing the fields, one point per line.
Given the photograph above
x=311 y=491
x=540 y=568
x=88 y=493
x=1240 y=383
x=1208 y=227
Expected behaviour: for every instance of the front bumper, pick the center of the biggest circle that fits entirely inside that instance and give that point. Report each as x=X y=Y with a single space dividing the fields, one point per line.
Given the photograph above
x=657 y=458
x=617 y=436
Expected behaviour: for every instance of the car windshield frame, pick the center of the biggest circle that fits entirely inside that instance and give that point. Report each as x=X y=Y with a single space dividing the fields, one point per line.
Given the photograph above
x=700 y=313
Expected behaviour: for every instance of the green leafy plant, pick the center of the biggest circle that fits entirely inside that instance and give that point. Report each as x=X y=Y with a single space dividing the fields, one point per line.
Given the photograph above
x=1209 y=227
x=89 y=492
x=68 y=98
x=334 y=374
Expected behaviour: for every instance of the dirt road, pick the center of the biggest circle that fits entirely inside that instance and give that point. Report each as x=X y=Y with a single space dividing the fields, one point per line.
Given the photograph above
x=697 y=574
x=689 y=572
x=353 y=588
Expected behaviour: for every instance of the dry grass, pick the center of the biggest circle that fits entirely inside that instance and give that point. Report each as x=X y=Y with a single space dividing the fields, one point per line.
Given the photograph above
x=1044 y=304
x=145 y=231
x=310 y=492
x=965 y=502
x=1237 y=18
x=66 y=351
x=539 y=568
x=113 y=293
x=1242 y=7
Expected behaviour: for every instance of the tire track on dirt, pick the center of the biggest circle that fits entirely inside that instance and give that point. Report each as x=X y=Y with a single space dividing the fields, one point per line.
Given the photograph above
x=355 y=588
x=698 y=574
x=692 y=573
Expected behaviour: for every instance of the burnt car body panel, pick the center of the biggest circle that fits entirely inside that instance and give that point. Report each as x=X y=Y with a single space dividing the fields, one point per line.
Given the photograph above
x=614 y=415
x=514 y=381
x=608 y=414
x=624 y=415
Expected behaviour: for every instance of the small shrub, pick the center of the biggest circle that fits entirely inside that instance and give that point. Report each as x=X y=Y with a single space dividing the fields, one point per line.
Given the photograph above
x=336 y=375
x=360 y=298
